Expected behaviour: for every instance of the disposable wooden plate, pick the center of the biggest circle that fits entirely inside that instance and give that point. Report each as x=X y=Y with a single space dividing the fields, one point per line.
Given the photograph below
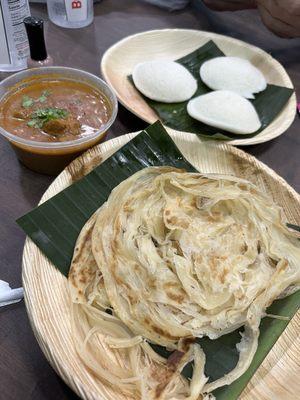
x=47 y=298
x=119 y=60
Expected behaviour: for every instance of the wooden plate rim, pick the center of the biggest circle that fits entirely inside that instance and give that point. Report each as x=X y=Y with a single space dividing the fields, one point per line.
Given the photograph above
x=51 y=352
x=289 y=110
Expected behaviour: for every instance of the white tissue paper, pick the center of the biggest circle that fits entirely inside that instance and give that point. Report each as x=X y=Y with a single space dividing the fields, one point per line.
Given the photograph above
x=8 y=295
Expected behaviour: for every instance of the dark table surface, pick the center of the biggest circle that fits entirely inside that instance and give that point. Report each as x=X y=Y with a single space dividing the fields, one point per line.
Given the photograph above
x=24 y=372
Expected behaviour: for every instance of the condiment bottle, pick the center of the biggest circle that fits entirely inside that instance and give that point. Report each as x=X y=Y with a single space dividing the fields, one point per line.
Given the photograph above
x=14 y=48
x=38 y=53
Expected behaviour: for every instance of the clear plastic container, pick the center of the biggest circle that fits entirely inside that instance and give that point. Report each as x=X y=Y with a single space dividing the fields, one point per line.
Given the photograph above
x=52 y=157
x=71 y=13
x=14 y=47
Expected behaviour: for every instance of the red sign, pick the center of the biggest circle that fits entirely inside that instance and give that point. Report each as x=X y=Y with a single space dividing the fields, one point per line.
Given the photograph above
x=76 y=4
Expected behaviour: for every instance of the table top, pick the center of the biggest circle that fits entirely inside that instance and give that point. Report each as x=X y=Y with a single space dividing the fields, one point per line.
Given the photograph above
x=24 y=371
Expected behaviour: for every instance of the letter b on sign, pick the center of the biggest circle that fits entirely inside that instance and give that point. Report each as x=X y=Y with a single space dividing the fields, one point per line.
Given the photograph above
x=76 y=4
x=77 y=10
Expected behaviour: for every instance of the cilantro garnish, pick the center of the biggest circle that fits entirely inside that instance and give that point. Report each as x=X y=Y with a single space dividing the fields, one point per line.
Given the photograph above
x=29 y=101
x=39 y=117
x=44 y=96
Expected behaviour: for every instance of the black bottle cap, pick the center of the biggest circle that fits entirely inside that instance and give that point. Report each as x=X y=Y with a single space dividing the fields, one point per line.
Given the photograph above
x=35 y=32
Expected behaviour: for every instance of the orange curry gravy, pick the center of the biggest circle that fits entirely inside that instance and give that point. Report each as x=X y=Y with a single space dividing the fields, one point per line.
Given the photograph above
x=54 y=111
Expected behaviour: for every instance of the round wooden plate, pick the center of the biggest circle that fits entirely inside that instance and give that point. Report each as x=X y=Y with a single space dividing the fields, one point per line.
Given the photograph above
x=47 y=299
x=119 y=60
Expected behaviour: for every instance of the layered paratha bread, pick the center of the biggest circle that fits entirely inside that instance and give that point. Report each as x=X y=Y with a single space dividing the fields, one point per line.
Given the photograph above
x=171 y=257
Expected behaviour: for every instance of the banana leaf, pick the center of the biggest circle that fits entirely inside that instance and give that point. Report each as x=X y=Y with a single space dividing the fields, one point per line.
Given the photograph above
x=268 y=103
x=54 y=227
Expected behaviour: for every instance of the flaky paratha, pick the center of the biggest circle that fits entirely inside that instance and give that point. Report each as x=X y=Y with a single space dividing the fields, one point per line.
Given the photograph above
x=176 y=256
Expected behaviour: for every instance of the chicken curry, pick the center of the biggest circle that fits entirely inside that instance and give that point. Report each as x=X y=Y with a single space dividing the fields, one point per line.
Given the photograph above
x=54 y=111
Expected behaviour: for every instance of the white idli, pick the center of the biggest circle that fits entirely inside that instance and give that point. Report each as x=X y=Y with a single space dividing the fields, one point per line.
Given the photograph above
x=233 y=73
x=225 y=110
x=165 y=81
